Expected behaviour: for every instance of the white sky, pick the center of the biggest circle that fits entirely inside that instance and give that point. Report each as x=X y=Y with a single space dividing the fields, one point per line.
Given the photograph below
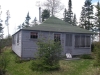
x=19 y=9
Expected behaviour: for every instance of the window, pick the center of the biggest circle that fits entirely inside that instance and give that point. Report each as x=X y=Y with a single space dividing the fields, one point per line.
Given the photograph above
x=13 y=39
x=33 y=35
x=68 y=39
x=82 y=41
x=57 y=37
x=17 y=37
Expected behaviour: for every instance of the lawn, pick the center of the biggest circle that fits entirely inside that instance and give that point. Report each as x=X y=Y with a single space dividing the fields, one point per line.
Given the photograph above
x=72 y=67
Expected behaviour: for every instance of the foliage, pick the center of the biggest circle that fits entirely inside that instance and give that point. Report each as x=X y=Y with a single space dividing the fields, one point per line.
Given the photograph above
x=68 y=15
x=72 y=67
x=53 y=6
x=87 y=15
x=3 y=64
x=74 y=20
x=45 y=14
x=96 y=50
x=48 y=56
x=86 y=56
x=26 y=23
x=97 y=19
x=6 y=41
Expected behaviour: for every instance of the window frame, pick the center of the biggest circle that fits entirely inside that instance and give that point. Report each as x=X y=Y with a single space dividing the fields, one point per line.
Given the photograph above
x=33 y=35
x=57 y=39
x=17 y=38
x=80 y=41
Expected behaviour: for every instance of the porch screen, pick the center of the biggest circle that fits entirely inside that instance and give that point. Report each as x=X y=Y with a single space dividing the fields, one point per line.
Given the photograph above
x=82 y=41
x=68 y=39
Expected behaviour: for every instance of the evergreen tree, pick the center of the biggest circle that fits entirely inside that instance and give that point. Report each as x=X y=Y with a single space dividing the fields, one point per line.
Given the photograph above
x=70 y=13
x=1 y=32
x=35 y=22
x=82 y=18
x=97 y=17
x=25 y=23
x=1 y=29
x=66 y=15
x=88 y=14
x=74 y=20
x=27 y=20
x=45 y=14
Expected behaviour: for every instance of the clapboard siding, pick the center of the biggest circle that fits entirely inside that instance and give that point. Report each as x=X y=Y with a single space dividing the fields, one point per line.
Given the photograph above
x=16 y=47
x=27 y=47
x=81 y=51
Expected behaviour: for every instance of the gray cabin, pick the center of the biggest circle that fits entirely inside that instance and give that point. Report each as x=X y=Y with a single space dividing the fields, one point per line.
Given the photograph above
x=74 y=40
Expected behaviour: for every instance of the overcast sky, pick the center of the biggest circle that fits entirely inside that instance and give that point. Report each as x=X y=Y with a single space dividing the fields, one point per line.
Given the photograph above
x=19 y=9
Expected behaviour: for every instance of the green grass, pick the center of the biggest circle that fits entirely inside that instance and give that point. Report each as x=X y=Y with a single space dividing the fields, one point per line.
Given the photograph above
x=73 y=67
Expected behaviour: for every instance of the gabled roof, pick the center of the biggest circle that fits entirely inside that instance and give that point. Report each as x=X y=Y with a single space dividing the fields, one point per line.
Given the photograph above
x=57 y=25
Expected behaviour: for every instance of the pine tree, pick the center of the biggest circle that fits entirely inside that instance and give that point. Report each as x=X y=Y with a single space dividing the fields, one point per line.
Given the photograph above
x=97 y=16
x=27 y=20
x=82 y=18
x=66 y=15
x=74 y=20
x=70 y=13
x=45 y=14
x=34 y=22
x=1 y=29
x=88 y=14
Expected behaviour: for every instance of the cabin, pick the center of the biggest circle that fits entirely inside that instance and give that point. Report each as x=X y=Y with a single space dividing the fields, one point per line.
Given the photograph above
x=73 y=39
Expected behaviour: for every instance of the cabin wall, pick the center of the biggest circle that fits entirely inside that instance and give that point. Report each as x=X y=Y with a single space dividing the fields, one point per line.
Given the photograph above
x=29 y=46
x=81 y=50
x=16 y=43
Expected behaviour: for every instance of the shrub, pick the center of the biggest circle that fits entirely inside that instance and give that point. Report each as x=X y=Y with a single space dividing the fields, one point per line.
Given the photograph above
x=48 y=56
x=97 y=53
x=17 y=59
x=3 y=64
x=86 y=56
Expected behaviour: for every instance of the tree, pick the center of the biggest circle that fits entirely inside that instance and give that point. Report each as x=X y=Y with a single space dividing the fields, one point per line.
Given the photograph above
x=74 y=20
x=1 y=31
x=97 y=17
x=88 y=14
x=7 y=19
x=45 y=14
x=68 y=15
x=35 y=22
x=25 y=23
x=27 y=20
x=82 y=18
x=53 y=6
x=48 y=56
x=66 y=19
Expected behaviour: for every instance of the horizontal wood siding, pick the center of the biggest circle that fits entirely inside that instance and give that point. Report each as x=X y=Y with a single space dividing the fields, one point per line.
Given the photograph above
x=80 y=51
x=16 y=47
x=29 y=46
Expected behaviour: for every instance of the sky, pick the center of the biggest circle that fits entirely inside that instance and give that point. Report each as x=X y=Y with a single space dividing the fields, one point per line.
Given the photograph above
x=19 y=8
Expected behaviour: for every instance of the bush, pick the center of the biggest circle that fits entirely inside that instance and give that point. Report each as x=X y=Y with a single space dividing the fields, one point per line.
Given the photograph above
x=48 y=56
x=96 y=51
x=17 y=60
x=86 y=56
x=3 y=64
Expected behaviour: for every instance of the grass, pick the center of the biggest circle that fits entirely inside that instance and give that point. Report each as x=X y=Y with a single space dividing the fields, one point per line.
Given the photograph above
x=72 y=67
